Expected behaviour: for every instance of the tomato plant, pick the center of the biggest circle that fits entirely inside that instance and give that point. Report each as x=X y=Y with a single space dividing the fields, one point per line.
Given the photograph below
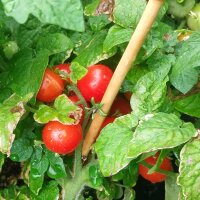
x=64 y=71
x=155 y=177
x=60 y=138
x=95 y=82
x=193 y=19
x=52 y=86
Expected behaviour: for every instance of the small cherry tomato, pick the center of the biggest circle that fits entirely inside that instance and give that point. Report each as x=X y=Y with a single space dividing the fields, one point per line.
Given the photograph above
x=75 y=99
x=155 y=177
x=65 y=71
x=52 y=86
x=120 y=107
x=107 y=121
x=95 y=82
x=193 y=19
x=60 y=138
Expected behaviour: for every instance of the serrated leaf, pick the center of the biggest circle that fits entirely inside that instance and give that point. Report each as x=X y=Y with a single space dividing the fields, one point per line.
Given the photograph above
x=171 y=188
x=91 y=54
x=62 y=111
x=17 y=151
x=27 y=71
x=56 y=166
x=54 y=43
x=117 y=35
x=149 y=92
x=110 y=147
x=127 y=13
x=184 y=73
x=189 y=105
x=11 y=111
x=189 y=170
x=35 y=183
x=69 y=15
x=49 y=191
x=159 y=131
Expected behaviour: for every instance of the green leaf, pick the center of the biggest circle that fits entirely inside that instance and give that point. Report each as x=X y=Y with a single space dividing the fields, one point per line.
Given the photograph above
x=27 y=71
x=56 y=166
x=189 y=105
x=65 y=13
x=117 y=35
x=62 y=110
x=159 y=131
x=129 y=194
x=171 y=188
x=91 y=54
x=11 y=111
x=17 y=151
x=2 y=159
x=184 y=73
x=149 y=92
x=189 y=167
x=49 y=191
x=110 y=148
x=128 y=13
x=35 y=183
x=54 y=43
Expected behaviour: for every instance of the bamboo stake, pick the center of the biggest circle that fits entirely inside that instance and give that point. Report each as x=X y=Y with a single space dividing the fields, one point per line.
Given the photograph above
x=129 y=56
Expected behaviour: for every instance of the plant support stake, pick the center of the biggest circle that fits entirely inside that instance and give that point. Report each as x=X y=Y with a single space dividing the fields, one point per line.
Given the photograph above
x=129 y=56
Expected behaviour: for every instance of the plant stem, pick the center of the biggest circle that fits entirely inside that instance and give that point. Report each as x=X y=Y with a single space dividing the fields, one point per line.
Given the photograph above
x=30 y=109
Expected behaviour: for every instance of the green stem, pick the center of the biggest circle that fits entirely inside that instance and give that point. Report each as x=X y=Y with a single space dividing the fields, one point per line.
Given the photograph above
x=30 y=109
x=168 y=173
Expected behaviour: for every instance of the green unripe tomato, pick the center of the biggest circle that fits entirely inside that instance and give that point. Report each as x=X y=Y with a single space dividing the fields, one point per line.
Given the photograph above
x=179 y=8
x=10 y=48
x=193 y=19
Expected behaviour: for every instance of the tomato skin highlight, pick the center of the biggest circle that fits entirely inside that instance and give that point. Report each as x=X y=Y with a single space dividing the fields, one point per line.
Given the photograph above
x=52 y=86
x=95 y=82
x=155 y=177
x=60 y=138
x=65 y=67
x=120 y=107
x=74 y=98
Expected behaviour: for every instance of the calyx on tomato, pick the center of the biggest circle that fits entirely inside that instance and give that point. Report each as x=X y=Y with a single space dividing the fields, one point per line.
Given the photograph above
x=95 y=82
x=155 y=177
x=60 y=138
x=51 y=87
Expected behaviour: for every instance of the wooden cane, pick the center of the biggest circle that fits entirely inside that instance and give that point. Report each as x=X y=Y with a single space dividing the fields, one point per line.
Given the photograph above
x=149 y=15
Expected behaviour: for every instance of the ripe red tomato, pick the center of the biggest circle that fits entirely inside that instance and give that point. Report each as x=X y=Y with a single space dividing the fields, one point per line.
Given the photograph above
x=95 y=82
x=74 y=99
x=155 y=177
x=51 y=87
x=60 y=138
x=65 y=67
x=107 y=121
x=120 y=107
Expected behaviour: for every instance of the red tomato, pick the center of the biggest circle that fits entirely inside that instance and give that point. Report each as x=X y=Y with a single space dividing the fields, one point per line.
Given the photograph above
x=51 y=87
x=95 y=82
x=120 y=107
x=65 y=67
x=74 y=99
x=107 y=121
x=155 y=177
x=60 y=138
x=128 y=95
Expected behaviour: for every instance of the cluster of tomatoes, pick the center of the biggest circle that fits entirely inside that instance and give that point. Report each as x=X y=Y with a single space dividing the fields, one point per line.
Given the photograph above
x=64 y=139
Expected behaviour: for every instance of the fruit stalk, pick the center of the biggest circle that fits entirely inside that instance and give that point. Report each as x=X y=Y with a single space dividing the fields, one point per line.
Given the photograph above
x=129 y=56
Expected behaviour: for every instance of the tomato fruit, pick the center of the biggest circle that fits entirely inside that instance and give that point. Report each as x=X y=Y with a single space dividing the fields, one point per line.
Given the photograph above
x=155 y=177
x=60 y=138
x=51 y=87
x=120 y=107
x=95 y=82
x=193 y=19
x=65 y=69
x=75 y=99
x=107 y=121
